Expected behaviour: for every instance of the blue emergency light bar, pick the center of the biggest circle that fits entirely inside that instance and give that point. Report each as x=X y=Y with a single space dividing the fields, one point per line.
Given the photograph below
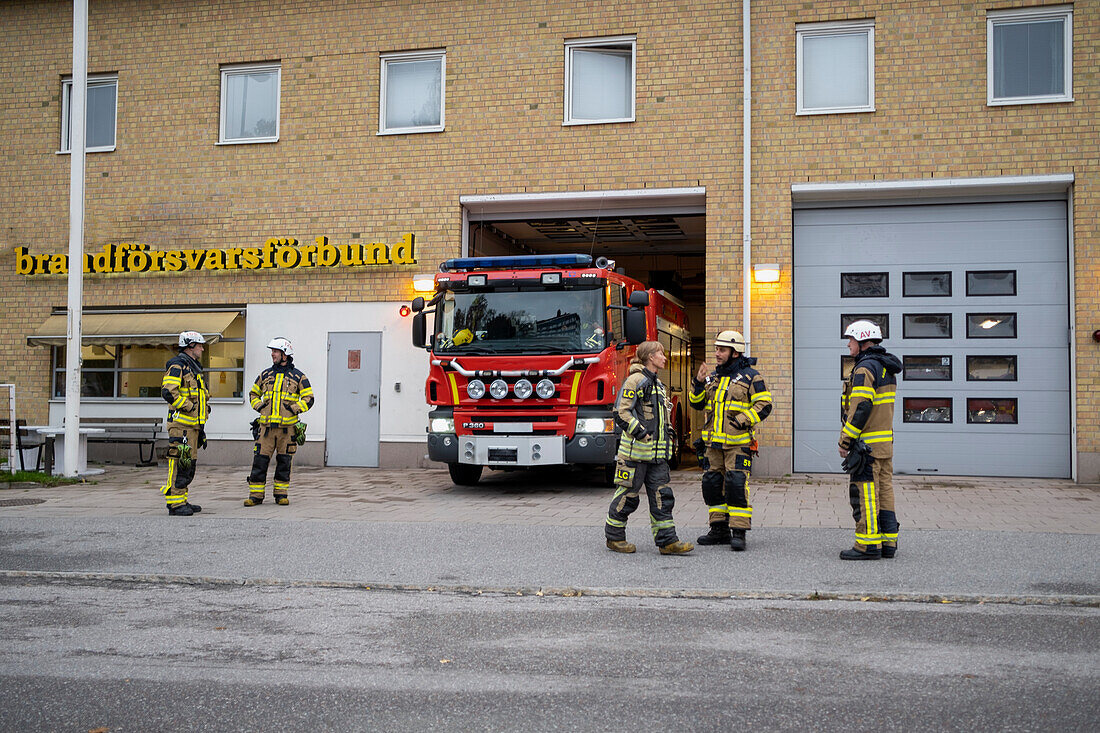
x=517 y=262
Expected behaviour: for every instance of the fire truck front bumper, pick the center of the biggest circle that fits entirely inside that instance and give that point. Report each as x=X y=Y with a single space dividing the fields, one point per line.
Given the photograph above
x=501 y=451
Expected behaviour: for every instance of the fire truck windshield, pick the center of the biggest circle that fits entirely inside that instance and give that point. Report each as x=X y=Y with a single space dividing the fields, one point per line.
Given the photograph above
x=521 y=322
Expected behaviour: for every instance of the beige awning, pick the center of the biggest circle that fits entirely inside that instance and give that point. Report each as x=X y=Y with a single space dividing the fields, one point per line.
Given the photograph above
x=131 y=329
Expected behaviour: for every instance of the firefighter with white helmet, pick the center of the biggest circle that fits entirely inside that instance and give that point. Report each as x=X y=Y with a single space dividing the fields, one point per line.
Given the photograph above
x=867 y=433
x=280 y=394
x=733 y=399
x=184 y=389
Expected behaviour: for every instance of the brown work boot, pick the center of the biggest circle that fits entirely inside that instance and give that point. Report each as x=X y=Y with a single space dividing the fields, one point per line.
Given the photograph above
x=282 y=500
x=620 y=546
x=679 y=547
x=252 y=501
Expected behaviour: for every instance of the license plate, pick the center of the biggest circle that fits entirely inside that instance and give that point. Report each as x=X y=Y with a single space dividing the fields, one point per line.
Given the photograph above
x=513 y=427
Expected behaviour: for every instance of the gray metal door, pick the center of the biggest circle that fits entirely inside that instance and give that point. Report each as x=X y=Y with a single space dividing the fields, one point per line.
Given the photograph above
x=975 y=299
x=354 y=389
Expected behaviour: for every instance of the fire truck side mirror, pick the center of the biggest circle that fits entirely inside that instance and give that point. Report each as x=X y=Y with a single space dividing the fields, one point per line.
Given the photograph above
x=634 y=324
x=639 y=299
x=419 y=324
x=417 y=304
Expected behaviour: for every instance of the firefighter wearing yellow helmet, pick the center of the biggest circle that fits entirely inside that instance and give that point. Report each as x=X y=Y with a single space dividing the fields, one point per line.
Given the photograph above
x=280 y=394
x=184 y=389
x=867 y=442
x=733 y=399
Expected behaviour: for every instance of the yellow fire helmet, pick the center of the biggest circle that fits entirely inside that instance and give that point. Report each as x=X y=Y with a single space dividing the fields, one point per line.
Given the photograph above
x=464 y=336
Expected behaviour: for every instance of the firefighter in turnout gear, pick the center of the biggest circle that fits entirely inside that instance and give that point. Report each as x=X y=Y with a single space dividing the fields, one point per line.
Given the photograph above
x=642 y=412
x=867 y=415
x=184 y=389
x=280 y=394
x=734 y=400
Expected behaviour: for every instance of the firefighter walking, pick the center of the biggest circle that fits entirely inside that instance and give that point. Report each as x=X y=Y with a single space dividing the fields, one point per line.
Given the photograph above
x=734 y=399
x=867 y=415
x=184 y=389
x=280 y=394
x=642 y=412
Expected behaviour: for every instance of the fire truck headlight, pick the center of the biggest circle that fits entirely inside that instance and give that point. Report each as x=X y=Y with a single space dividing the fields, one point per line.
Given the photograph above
x=475 y=389
x=545 y=389
x=523 y=389
x=595 y=425
x=498 y=389
x=441 y=425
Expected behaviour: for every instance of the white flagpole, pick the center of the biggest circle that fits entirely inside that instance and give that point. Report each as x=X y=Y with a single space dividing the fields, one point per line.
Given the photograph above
x=77 y=145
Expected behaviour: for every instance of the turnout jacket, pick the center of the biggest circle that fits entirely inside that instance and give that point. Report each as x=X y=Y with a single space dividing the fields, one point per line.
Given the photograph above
x=280 y=394
x=867 y=402
x=734 y=399
x=642 y=412
x=184 y=389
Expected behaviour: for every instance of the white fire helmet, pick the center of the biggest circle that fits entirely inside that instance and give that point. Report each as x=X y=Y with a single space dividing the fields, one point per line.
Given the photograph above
x=188 y=338
x=282 y=345
x=732 y=339
x=864 y=331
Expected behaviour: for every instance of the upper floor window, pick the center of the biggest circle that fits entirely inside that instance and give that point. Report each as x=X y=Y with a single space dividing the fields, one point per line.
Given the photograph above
x=599 y=80
x=836 y=67
x=100 y=113
x=250 y=103
x=412 y=98
x=1029 y=55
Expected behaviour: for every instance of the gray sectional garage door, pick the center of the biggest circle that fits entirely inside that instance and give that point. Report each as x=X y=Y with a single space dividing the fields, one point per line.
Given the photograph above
x=974 y=299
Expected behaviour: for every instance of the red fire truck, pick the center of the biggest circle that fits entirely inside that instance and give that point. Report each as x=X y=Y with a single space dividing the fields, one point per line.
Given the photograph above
x=527 y=355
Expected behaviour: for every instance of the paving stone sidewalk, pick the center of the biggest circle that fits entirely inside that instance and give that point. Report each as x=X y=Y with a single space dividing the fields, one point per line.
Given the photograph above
x=566 y=497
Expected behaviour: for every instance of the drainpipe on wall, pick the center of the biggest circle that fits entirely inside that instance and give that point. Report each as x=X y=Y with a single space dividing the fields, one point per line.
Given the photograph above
x=77 y=145
x=746 y=174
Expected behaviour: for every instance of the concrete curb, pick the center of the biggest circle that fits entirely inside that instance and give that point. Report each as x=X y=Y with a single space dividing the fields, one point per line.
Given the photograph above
x=1088 y=601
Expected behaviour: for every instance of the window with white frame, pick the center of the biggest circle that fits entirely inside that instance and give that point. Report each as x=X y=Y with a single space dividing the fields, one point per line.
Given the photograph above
x=412 y=92
x=836 y=67
x=599 y=80
x=1029 y=55
x=250 y=103
x=101 y=108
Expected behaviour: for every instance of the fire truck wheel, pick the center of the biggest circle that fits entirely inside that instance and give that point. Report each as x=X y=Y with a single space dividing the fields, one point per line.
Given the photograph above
x=607 y=477
x=464 y=474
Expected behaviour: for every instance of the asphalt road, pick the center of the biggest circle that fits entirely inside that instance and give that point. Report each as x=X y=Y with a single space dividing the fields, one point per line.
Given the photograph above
x=144 y=657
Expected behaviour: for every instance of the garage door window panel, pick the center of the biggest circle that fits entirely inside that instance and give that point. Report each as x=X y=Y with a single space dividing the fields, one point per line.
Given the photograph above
x=1029 y=55
x=847 y=364
x=836 y=67
x=991 y=325
x=865 y=285
x=926 y=326
x=882 y=320
x=926 y=284
x=927 y=410
x=925 y=368
x=980 y=283
x=991 y=411
x=991 y=368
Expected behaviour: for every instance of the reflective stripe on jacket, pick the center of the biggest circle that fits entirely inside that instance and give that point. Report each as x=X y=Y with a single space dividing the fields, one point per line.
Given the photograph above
x=642 y=412
x=280 y=394
x=733 y=402
x=184 y=389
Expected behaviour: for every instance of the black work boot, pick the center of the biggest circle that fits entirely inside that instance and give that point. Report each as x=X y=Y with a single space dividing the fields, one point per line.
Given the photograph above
x=889 y=551
x=195 y=508
x=854 y=554
x=737 y=540
x=181 y=510
x=718 y=534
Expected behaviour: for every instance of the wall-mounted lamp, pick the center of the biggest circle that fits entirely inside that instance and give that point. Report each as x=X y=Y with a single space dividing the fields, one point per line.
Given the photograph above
x=765 y=273
x=424 y=283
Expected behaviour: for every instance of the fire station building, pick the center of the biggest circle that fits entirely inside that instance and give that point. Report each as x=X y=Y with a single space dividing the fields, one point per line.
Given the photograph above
x=287 y=168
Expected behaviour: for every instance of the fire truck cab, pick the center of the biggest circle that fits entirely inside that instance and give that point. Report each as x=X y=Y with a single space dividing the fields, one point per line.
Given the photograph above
x=527 y=354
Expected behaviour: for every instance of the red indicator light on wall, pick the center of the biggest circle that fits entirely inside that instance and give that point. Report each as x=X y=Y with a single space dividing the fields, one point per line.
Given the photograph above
x=405 y=311
x=1096 y=335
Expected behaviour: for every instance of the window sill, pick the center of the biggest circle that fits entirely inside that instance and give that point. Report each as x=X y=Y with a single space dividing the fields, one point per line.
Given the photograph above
x=88 y=150
x=411 y=130
x=834 y=111
x=1027 y=100
x=142 y=401
x=255 y=141
x=574 y=123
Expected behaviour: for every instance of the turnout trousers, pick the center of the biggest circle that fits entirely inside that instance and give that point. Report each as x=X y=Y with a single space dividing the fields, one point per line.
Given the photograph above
x=630 y=478
x=180 y=477
x=726 y=486
x=871 y=494
x=275 y=441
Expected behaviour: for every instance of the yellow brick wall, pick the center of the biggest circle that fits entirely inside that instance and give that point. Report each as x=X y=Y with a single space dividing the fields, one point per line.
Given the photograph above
x=169 y=185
